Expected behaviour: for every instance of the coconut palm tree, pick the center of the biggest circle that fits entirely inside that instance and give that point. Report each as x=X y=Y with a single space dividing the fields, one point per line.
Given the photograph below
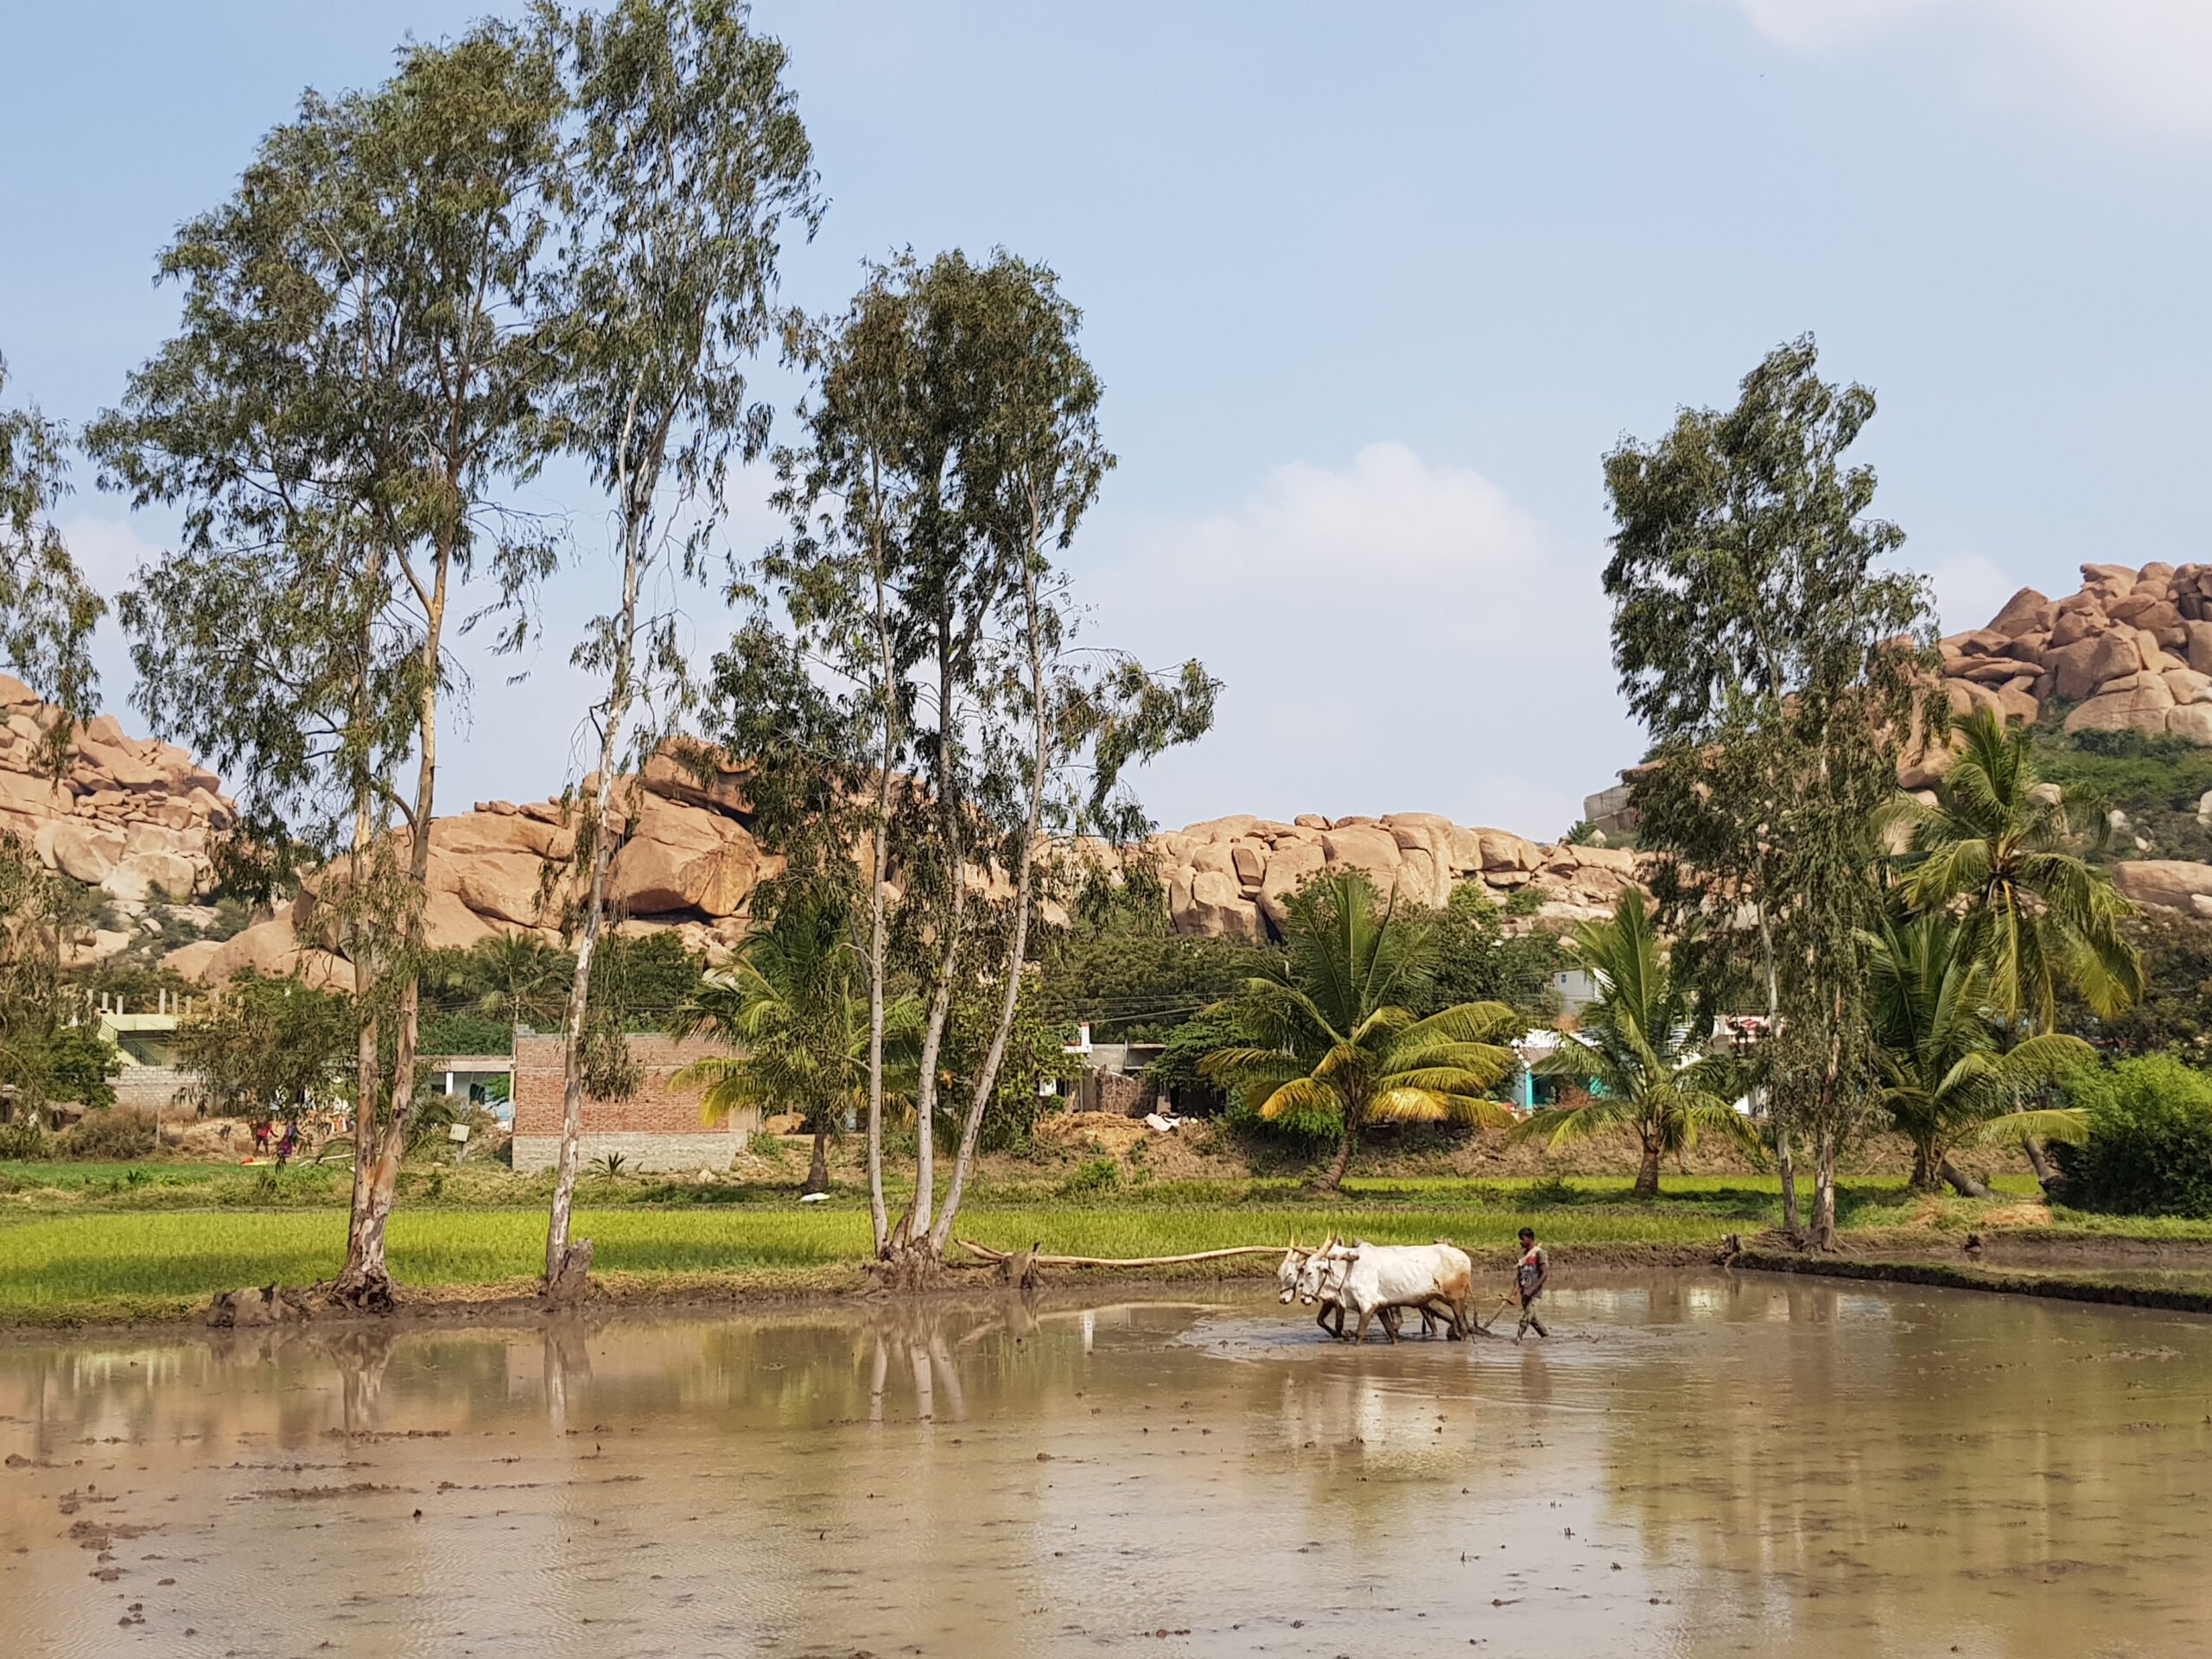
x=519 y=978
x=1331 y=1040
x=1946 y=1082
x=1637 y=1044
x=794 y=1004
x=1995 y=849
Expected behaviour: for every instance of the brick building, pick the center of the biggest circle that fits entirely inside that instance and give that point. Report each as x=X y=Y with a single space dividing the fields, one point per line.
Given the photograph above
x=657 y=1127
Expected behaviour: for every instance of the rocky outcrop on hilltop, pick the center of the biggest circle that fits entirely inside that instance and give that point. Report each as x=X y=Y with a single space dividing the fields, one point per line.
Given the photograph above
x=130 y=816
x=690 y=864
x=2132 y=651
x=1228 y=877
x=138 y=819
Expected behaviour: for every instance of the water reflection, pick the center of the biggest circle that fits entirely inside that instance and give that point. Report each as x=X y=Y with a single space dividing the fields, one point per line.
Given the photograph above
x=1692 y=1465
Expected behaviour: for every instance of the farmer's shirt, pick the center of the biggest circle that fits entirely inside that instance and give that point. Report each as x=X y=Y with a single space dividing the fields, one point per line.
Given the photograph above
x=1529 y=1274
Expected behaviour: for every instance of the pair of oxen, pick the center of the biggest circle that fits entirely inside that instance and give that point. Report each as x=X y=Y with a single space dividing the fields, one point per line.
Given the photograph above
x=1378 y=1282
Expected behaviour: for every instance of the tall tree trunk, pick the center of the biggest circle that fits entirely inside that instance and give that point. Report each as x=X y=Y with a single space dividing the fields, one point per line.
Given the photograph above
x=367 y=1281
x=567 y=1267
x=1023 y=883
x=1785 y=1163
x=950 y=811
x=362 y=949
x=878 y=923
x=818 y=1172
x=1332 y=1178
x=1823 y=1237
x=1646 y=1172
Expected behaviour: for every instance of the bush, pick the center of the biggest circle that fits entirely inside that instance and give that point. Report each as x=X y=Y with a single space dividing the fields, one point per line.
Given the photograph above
x=109 y=1134
x=2149 y=1152
x=23 y=1140
x=1092 y=1176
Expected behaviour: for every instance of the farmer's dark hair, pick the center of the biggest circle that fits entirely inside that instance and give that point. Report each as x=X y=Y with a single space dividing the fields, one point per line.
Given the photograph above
x=1527 y=1232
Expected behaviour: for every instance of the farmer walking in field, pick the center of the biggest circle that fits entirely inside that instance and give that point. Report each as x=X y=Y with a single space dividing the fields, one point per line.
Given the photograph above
x=1529 y=1276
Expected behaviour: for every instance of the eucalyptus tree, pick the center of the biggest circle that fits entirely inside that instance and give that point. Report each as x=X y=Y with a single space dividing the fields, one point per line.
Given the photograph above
x=353 y=387
x=1639 y=1043
x=1775 y=668
x=951 y=452
x=817 y=689
x=1329 y=1038
x=47 y=610
x=686 y=158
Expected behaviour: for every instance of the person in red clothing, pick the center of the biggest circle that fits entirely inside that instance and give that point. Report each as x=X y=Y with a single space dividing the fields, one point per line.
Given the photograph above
x=1530 y=1275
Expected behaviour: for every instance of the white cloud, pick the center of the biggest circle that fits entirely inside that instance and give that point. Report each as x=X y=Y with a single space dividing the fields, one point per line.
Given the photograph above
x=2144 y=66
x=1394 y=635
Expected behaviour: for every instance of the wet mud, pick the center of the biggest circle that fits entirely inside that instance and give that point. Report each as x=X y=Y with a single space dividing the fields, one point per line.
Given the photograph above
x=1693 y=1465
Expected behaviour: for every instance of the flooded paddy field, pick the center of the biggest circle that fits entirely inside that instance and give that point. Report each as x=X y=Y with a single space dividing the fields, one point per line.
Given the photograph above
x=1691 y=1465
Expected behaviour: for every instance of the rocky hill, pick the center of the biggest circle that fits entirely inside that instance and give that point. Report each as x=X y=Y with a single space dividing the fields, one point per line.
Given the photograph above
x=693 y=863
x=2131 y=653
x=132 y=818
x=2116 y=678
x=135 y=821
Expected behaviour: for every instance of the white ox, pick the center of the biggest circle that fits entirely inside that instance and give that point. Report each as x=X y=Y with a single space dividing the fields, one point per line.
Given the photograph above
x=1330 y=1319
x=1370 y=1279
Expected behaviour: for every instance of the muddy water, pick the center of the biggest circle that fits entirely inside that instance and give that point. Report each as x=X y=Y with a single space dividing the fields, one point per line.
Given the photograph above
x=1754 y=1466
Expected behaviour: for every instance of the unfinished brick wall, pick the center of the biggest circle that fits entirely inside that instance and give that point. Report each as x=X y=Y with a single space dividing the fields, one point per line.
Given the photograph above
x=656 y=1128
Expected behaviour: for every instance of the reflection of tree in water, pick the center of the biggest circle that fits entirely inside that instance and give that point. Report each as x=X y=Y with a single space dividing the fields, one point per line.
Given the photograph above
x=567 y=1367
x=1840 y=1459
x=360 y=1356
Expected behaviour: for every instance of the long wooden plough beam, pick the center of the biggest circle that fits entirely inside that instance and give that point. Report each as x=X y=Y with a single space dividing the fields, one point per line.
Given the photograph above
x=995 y=1257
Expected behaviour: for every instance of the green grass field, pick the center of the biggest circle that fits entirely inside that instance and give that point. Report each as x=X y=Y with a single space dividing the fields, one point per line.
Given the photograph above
x=86 y=1243
x=50 y=1264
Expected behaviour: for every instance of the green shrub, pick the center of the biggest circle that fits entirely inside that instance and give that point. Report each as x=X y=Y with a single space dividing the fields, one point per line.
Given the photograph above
x=107 y=1133
x=23 y=1139
x=2149 y=1152
x=1303 y=1126
x=1091 y=1177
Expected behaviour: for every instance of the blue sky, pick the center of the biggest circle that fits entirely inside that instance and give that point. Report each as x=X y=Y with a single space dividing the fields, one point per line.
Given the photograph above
x=1371 y=294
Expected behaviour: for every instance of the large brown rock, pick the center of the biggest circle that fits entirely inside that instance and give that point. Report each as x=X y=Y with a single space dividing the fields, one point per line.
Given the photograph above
x=2192 y=721
x=682 y=858
x=2017 y=700
x=1965 y=697
x=2166 y=884
x=1503 y=850
x=2146 y=610
x=2118 y=654
x=81 y=849
x=505 y=867
x=2197 y=649
x=271 y=948
x=695 y=774
x=1219 y=910
x=1289 y=867
x=2140 y=705
x=2074 y=625
x=2026 y=612
x=1364 y=847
